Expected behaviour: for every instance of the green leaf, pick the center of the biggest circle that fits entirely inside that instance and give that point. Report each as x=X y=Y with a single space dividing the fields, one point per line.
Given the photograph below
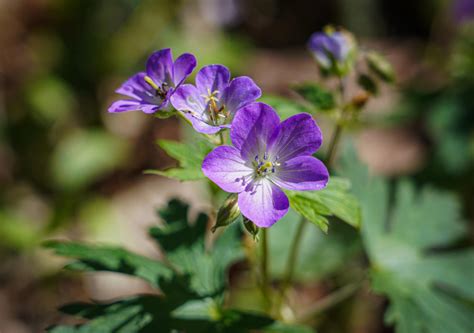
x=84 y=156
x=368 y=84
x=334 y=200
x=112 y=259
x=380 y=66
x=150 y=314
x=429 y=290
x=183 y=243
x=51 y=99
x=189 y=157
x=283 y=106
x=17 y=231
x=331 y=251
x=319 y=97
x=192 y=298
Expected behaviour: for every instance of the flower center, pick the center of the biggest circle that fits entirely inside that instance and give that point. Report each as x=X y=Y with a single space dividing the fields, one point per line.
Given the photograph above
x=160 y=91
x=264 y=165
x=216 y=113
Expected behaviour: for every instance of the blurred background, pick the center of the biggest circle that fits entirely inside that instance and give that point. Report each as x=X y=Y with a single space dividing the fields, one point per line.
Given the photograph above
x=68 y=169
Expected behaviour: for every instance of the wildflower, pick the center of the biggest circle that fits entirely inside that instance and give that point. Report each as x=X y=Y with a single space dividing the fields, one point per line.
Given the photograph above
x=211 y=104
x=150 y=91
x=463 y=11
x=267 y=156
x=333 y=50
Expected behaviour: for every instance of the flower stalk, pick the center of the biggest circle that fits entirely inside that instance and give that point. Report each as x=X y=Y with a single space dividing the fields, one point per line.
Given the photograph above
x=295 y=245
x=265 y=286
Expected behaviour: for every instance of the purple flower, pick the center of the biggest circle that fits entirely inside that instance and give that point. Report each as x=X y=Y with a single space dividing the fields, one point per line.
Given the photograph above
x=463 y=10
x=211 y=104
x=266 y=156
x=150 y=91
x=329 y=47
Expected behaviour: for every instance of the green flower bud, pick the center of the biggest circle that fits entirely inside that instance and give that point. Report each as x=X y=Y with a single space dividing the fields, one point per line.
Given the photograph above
x=380 y=66
x=228 y=213
x=251 y=228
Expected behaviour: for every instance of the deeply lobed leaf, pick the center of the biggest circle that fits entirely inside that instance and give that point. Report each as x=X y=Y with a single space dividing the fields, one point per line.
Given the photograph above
x=430 y=290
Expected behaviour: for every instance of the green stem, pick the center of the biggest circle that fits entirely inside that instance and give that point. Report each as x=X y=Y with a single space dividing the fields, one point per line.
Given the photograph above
x=333 y=145
x=221 y=137
x=292 y=257
x=290 y=266
x=331 y=154
x=264 y=268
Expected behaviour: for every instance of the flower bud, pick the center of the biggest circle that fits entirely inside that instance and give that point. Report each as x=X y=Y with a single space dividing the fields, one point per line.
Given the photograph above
x=228 y=213
x=334 y=50
x=380 y=66
x=251 y=228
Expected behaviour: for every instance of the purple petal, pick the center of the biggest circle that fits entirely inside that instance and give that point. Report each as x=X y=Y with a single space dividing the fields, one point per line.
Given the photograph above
x=296 y=136
x=132 y=105
x=302 y=173
x=339 y=46
x=240 y=92
x=224 y=167
x=135 y=87
x=212 y=78
x=263 y=203
x=202 y=126
x=159 y=66
x=183 y=67
x=188 y=98
x=252 y=128
x=463 y=10
x=318 y=44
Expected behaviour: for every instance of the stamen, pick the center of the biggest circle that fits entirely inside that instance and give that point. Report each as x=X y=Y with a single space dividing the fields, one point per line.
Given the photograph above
x=264 y=166
x=152 y=83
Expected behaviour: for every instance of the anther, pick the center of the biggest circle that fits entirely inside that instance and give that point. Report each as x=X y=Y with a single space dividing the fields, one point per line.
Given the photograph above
x=152 y=83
